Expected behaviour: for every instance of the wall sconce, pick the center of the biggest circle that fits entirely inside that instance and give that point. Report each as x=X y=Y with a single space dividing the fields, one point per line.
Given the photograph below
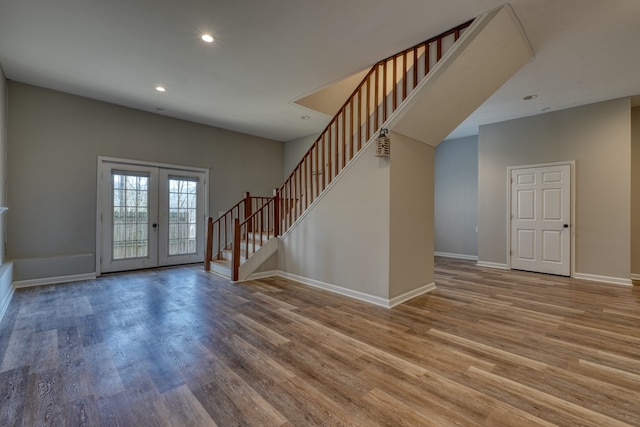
x=383 y=144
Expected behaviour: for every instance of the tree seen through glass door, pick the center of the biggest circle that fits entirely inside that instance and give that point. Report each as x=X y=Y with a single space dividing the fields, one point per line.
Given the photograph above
x=182 y=216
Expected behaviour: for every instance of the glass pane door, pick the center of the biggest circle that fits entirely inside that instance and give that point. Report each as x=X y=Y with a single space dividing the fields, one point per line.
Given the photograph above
x=129 y=217
x=181 y=217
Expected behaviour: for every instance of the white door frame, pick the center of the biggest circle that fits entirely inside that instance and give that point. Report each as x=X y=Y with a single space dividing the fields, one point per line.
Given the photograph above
x=572 y=166
x=104 y=159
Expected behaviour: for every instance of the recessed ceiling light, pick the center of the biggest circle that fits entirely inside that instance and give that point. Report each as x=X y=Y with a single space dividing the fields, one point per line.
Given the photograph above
x=305 y=117
x=530 y=97
x=207 y=38
x=160 y=89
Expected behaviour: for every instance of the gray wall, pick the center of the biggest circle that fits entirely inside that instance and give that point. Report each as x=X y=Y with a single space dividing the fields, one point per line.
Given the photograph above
x=294 y=150
x=598 y=138
x=54 y=141
x=411 y=204
x=456 y=197
x=3 y=159
x=6 y=270
x=635 y=192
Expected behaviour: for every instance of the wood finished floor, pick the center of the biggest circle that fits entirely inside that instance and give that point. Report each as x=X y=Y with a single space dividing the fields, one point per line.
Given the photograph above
x=181 y=347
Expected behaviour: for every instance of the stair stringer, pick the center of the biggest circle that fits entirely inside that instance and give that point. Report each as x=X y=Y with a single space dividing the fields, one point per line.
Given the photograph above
x=259 y=257
x=488 y=54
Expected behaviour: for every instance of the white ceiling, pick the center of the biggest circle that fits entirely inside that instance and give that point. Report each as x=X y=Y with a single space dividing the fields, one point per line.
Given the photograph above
x=269 y=53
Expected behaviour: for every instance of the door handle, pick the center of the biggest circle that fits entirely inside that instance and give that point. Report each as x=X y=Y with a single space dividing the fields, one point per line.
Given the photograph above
x=154 y=225
x=565 y=226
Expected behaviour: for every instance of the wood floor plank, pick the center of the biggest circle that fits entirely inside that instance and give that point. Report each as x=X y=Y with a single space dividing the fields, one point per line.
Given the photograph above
x=82 y=413
x=185 y=410
x=105 y=378
x=45 y=351
x=13 y=392
x=571 y=413
x=44 y=402
x=178 y=346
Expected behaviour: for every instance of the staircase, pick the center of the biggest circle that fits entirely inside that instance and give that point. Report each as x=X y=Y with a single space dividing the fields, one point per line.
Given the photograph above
x=382 y=99
x=224 y=232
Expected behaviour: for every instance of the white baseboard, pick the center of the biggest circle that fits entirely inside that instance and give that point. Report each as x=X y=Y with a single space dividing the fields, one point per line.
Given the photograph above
x=492 y=265
x=53 y=280
x=456 y=256
x=635 y=276
x=361 y=296
x=411 y=294
x=603 y=279
x=6 y=273
x=5 y=303
x=263 y=274
x=372 y=299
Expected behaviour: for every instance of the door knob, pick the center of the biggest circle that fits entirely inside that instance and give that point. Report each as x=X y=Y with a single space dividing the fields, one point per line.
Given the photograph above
x=154 y=225
x=565 y=226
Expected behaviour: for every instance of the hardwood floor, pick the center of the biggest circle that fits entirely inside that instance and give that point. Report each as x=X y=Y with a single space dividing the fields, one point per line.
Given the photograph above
x=181 y=347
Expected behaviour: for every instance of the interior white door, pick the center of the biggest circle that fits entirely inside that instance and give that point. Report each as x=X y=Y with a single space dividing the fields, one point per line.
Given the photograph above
x=540 y=219
x=150 y=216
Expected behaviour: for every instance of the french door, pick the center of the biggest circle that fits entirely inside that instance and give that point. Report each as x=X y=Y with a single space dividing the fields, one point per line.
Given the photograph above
x=149 y=216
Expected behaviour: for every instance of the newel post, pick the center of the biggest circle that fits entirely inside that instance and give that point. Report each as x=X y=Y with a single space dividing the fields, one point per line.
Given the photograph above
x=276 y=213
x=235 y=255
x=209 y=247
x=248 y=210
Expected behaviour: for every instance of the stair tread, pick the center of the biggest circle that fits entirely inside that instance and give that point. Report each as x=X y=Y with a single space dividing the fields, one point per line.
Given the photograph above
x=223 y=262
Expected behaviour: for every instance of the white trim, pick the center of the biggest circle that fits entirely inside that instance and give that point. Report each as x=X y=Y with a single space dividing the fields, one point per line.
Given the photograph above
x=411 y=294
x=372 y=299
x=6 y=302
x=456 y=256
x=603 y=279
x=262 y=275
x=572 y=184
x=151 y=164
x=53 y=280
x=6 y=271
x=361 y=296
x=497 y=265
x=634 y=276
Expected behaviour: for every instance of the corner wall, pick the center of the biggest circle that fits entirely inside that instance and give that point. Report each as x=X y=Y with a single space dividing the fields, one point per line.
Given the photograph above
x=411 y=215
x=456 y=198
x=6 y=268
x=635 y=193
x=54 y=141
x=598 y=138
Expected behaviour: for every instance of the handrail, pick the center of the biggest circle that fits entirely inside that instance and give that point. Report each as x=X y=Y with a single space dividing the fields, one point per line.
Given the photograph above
x=380 y=93
x=383 y=89
x=254 y=231
x=220 y=230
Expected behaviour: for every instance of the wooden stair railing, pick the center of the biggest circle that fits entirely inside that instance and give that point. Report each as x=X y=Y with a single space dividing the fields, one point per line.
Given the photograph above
x=381 y=92
x=254 y=231
x=220 y=230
